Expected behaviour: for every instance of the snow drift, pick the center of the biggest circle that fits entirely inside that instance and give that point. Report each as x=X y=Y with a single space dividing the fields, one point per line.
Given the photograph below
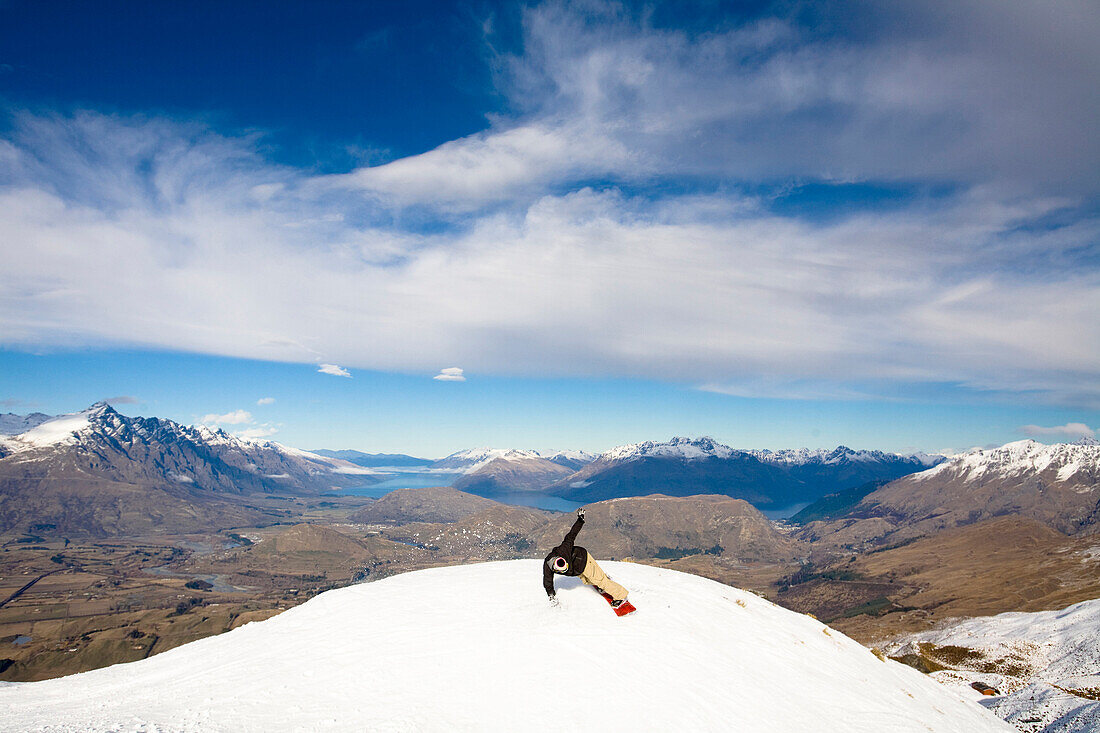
x=477 y=647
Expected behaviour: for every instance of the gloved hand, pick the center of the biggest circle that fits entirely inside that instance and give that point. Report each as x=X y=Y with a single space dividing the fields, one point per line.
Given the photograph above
x=580 y=512
x=554 y=601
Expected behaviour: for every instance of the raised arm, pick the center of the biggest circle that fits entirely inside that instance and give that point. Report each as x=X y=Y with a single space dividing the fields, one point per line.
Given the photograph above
x=572 y=535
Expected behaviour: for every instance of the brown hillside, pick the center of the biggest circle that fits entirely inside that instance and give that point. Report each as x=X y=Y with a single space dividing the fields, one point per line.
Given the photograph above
x=670 y=527
x=1006 y=564
x=436 y=504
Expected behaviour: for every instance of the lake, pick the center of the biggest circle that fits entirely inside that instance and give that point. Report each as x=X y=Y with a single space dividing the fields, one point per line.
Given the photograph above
x=412 y=480
x=784 y=512
x=403 y=481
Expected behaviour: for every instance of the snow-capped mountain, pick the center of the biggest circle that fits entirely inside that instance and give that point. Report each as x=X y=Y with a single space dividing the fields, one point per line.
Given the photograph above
x=101 y=472
x=698 y=655
x=574 y=459
x=1073 y=464
x=686 y=466
x=1045 y=666
x=839 y=456
x=473 y=459
x=470 y=460
x=509 y=472
x=10 y=423
x=685 y=448
x=1058 y=485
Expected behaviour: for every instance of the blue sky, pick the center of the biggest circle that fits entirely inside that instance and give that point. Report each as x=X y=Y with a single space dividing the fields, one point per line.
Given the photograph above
x=781 y=224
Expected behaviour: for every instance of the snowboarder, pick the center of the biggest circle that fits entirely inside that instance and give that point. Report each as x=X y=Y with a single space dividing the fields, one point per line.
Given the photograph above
x=575 y=562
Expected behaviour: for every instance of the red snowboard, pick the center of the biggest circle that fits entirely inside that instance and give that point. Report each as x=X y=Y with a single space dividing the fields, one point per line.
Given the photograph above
x=622 y=610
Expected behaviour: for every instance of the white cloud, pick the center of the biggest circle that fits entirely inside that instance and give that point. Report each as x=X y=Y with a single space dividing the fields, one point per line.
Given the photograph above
x=334 y=370
x=265 y=401
x=237 y=417
x=257 y=433
x=490 y=167
x=913 y=93
x=1069 y=430
x=708 y=289
x=527 y=270
x=450 y=374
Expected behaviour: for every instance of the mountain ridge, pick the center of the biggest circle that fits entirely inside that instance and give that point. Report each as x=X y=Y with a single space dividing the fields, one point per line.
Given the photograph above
x=99 y=472
x=1057 y=485
x=687 y=466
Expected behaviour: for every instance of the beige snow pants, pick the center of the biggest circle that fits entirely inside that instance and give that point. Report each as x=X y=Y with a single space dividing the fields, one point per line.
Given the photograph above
x=593 y=574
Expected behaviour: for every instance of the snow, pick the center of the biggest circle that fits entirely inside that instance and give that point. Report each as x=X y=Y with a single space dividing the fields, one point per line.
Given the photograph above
x=469 y=461
x=1052 y=652
x=478 y=648
x=573 y=455
x=687 y=448
x=840 y=454
x=1022 y=457
x=58 y=430
x=1065 y=641
x=694 y=448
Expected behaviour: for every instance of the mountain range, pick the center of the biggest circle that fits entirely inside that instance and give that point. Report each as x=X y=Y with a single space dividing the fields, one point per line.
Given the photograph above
x=100 y=473
x=678 y=467
x=686 y=466
x=1057 y=485
x=376 y=460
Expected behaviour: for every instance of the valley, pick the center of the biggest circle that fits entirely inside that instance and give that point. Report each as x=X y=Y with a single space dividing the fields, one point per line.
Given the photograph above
x=122 y=538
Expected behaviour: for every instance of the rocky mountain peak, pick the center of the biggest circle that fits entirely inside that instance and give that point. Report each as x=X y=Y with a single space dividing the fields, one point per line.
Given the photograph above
x=99 y=409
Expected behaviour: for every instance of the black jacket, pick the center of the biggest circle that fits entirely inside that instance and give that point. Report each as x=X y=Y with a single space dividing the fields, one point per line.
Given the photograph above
x=576 y=557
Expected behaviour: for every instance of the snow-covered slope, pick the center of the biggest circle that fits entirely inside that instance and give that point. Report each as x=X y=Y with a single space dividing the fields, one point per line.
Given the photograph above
x=474 y=459
x=839 y=455
x=689 y=448
x=468 y=461
x=477 y=648
x=1045 y=664
x=1076 y=463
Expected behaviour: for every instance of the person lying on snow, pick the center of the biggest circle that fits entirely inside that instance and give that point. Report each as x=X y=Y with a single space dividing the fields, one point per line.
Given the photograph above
x=575 y=562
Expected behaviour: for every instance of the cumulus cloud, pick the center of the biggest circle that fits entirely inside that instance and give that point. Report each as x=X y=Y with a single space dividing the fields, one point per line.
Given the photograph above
x=334 y=370
x=265 y=401
x=237 y=417
x=1069 y=430
x=450 y=374
x=123 y=400
x=622 y=220
x=257 y=433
